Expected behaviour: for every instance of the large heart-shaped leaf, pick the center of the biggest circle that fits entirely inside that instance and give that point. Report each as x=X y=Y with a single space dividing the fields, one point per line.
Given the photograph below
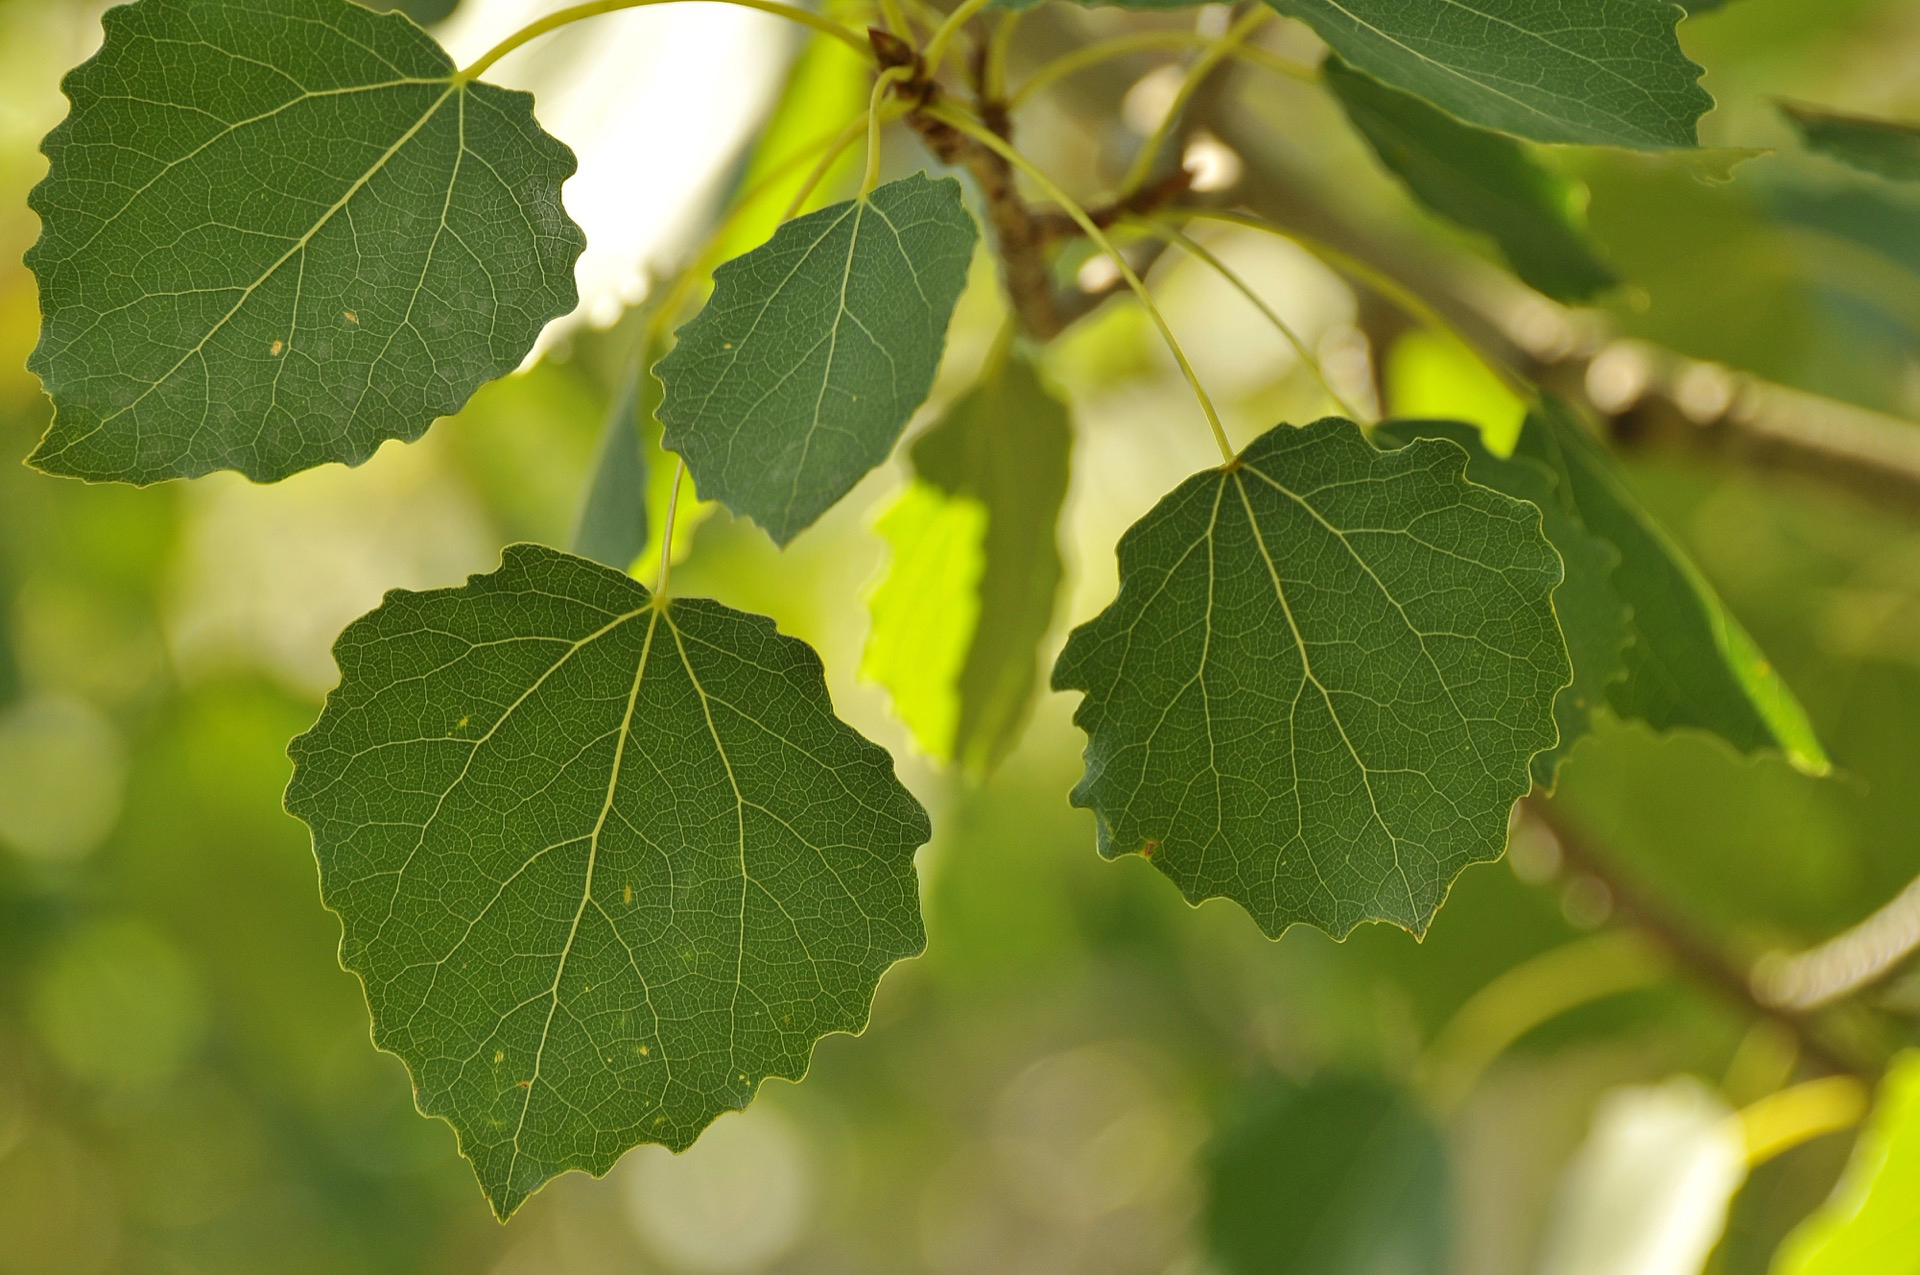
x=816 y=349
x=603 y=862
x=279 y=232
x=1321 y=686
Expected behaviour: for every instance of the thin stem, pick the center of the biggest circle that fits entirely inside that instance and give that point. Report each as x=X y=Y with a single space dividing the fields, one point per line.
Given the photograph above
x=1811 y=1109
x=882 y=82
x=837 y=146
x=999 y=146
x=666 y=531
x=937 y=45
x=1202 y=253
x=1203 y=66
x=594 y=8
x=896 y=20
x=1120 y=46
x=993 y=74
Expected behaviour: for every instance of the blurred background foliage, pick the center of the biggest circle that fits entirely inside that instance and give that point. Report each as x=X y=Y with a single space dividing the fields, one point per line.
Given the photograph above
x=186 y=1083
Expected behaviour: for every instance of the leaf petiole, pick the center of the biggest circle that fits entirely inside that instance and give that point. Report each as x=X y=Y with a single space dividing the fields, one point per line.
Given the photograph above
x=594 y=8
x=1203 y=66
x=936 y=48
x=999 y=146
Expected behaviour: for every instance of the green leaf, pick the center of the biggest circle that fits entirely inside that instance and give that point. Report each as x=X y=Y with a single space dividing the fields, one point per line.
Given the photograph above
x=1886 y=148
x=279 y=232
x=969 y=594
x=1483 y=180
x=1606 y=72
x=1339 y=1176
x=612 y=529
x=1872 y=1221
x=1593 y=619
x=800 y=374
x=603 y=862
x=1689 y=663
x=1322 y=683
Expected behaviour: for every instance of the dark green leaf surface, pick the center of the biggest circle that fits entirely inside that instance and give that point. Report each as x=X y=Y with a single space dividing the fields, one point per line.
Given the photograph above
x=1607 y=72
x=992 y=475
x=603 y=865
x=817 y=347
x=1689 y=663
x=279 y=232
x=1887 y=148
x=1593 y=619
x=1321 y=686
x=1483 y=180
x=612 y=528
x=1340 y=1176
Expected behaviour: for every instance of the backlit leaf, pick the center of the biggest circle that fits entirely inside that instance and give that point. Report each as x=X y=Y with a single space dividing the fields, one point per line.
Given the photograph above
x=817 y=347
x=1593 y=619
x=1689 y=663
x=1607 y=72
x=1872 y=1220
x=1483 y=180
x=603 y=863
x=1321 y=686
x=279 y=232
x=970 y=591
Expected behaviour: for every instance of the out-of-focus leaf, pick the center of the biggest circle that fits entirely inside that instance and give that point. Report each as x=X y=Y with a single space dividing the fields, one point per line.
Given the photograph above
x=1872 y=1221
x=976 y=566
x=279 y=232
x=1886 y=148
x=1647 y=1193
x=1689 y=663
x=1483 y=180
x=1433 y=375
x=1324 y=680
x=816 y=348
x=603 y=862
x=1340 y=1176
x=612 y=528
x=1594 y=71
x=1593 y=619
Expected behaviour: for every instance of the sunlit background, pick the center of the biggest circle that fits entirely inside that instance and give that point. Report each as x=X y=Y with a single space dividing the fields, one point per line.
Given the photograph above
x=186 y=1082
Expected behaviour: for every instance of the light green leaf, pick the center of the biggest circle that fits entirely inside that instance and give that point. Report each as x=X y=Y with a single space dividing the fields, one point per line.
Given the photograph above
x=612 y=528
x=1871 y=1223
x=1323 y=681
x=1886 y=148
x=1339 y=1176
x=800 y=374
x=1483 y=180
x=1606 y=72
x=1689 y=663
x=603 y=863
x=1592 y=617
x=969 y=594
x=279 y=232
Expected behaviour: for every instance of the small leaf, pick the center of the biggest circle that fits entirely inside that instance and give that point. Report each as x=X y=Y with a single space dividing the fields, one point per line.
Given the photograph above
x=1593 y=619
x=970 y=591
x=800 y=374
x=1483 y=180
x=279 y=232
x=1605 y=72
x=1322 y=683
x=1886 y=148
x=1872 y=1220
x=612 y=529
x=1340 y=1176
x=603 y=863
x=1689 y=663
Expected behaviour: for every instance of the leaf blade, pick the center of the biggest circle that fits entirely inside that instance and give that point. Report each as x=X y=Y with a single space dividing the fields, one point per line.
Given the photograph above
x=1885 y=148
x=644 y=816
x=225 y=315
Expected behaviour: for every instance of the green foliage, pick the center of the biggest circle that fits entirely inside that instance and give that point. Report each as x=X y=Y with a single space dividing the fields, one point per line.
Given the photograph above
x=1324 y=679
x=1339 y=1176
x=817 y=347
x=1872 y=1221
x=604 y=862
x=975 y=561
x=1689 y=663
x=279 y=232
x=612 y=528
x=1480 y=179
x=1887 y=148
x=1592 y=617
x=1596 y=71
